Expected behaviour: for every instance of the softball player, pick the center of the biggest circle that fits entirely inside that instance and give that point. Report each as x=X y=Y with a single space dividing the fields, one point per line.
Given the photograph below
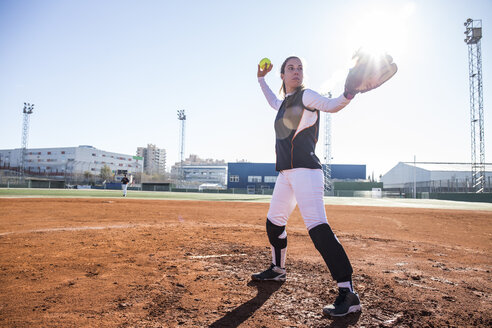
x=300 y=181
x=124 y=184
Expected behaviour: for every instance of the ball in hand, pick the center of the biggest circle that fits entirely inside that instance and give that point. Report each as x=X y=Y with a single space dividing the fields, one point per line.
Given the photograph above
x=265 y=64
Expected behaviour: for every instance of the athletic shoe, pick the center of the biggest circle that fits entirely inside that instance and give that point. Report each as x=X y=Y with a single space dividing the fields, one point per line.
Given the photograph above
x=274 y=273
x=346 y=302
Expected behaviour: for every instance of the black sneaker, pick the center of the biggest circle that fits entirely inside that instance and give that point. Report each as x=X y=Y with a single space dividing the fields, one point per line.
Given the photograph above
x=274 y=273
x=346 y=302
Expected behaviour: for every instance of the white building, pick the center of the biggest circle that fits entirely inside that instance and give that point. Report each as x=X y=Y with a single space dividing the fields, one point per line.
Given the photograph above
x=195 y=171
x=210 y=174
x=154 y=159
x=433 y=177
x=65 y=161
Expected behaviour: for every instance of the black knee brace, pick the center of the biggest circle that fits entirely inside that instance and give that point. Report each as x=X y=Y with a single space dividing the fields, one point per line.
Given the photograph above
x=332 y=252
x=273 y=232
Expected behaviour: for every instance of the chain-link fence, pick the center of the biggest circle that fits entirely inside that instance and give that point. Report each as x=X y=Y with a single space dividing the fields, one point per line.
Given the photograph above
x=440 y=186
x=12 y=178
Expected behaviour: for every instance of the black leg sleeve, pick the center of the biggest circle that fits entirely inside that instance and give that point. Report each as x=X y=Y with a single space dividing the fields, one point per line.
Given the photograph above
x=273 y=232
x=332 y=252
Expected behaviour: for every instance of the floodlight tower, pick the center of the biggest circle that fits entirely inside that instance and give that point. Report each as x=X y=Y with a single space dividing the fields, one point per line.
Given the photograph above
x=27 y=110
x=182 y=118
x=327 y=151
x=473 y=35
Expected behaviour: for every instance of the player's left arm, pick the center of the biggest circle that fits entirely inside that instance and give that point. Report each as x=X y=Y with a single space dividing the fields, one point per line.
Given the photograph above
x=313 y=100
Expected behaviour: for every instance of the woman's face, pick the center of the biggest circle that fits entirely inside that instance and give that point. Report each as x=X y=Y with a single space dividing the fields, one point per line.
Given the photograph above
x=292 y=75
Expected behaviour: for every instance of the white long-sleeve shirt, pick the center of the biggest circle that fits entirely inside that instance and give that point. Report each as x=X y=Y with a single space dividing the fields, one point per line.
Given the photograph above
x=297 y=125
x=311 y=99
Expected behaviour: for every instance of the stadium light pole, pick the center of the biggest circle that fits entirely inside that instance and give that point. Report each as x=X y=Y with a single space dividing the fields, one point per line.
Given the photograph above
x=414 y=176
x=27 y=110
x=182 y=118
x=328 y=183
x=473 y=36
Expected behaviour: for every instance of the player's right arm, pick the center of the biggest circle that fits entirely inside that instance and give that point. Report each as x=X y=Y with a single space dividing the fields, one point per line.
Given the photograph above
x=269 y=95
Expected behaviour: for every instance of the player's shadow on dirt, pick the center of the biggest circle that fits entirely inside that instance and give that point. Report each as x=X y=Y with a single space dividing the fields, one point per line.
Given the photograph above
x=240 y=314
x=349 y=320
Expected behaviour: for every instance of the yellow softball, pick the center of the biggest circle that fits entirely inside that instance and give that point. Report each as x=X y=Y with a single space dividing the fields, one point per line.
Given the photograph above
x=265 y=63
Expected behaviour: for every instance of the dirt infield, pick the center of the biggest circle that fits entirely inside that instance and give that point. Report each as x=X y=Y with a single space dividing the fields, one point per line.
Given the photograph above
x=163 y=263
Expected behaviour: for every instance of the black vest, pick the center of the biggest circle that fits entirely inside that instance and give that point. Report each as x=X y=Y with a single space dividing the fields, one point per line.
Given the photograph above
x=296 y=131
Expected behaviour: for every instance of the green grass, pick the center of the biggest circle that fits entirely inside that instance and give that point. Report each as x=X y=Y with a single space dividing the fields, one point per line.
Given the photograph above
x=355 y=201
x=98 y=193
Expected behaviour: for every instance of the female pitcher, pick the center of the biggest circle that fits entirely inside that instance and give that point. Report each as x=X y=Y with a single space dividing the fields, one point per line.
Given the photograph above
x=300 y=181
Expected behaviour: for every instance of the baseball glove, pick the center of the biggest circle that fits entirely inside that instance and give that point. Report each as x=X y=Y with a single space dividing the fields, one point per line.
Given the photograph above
x=369 y=72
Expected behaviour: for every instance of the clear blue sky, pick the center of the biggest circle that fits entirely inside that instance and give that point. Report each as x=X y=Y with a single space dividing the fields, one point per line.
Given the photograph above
x=112 y=74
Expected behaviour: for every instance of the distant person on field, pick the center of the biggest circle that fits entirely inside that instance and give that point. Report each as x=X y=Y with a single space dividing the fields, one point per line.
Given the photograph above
x=124 y=184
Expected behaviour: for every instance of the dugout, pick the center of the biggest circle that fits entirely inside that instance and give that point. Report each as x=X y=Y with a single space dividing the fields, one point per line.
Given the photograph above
x=45 y=183
x=156 y=186
x=356 y=188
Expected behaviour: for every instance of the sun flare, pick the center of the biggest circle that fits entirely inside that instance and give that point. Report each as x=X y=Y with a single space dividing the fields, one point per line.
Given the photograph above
x=381 y=30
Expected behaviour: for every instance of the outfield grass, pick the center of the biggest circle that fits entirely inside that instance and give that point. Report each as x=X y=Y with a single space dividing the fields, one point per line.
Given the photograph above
x=101 y=193
x=355 y=201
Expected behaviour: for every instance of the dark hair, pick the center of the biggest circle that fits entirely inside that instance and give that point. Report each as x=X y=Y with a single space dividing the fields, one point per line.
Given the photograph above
x=282 y=71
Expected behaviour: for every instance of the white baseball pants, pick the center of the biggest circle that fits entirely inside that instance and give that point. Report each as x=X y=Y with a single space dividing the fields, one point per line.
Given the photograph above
x=304 y=187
